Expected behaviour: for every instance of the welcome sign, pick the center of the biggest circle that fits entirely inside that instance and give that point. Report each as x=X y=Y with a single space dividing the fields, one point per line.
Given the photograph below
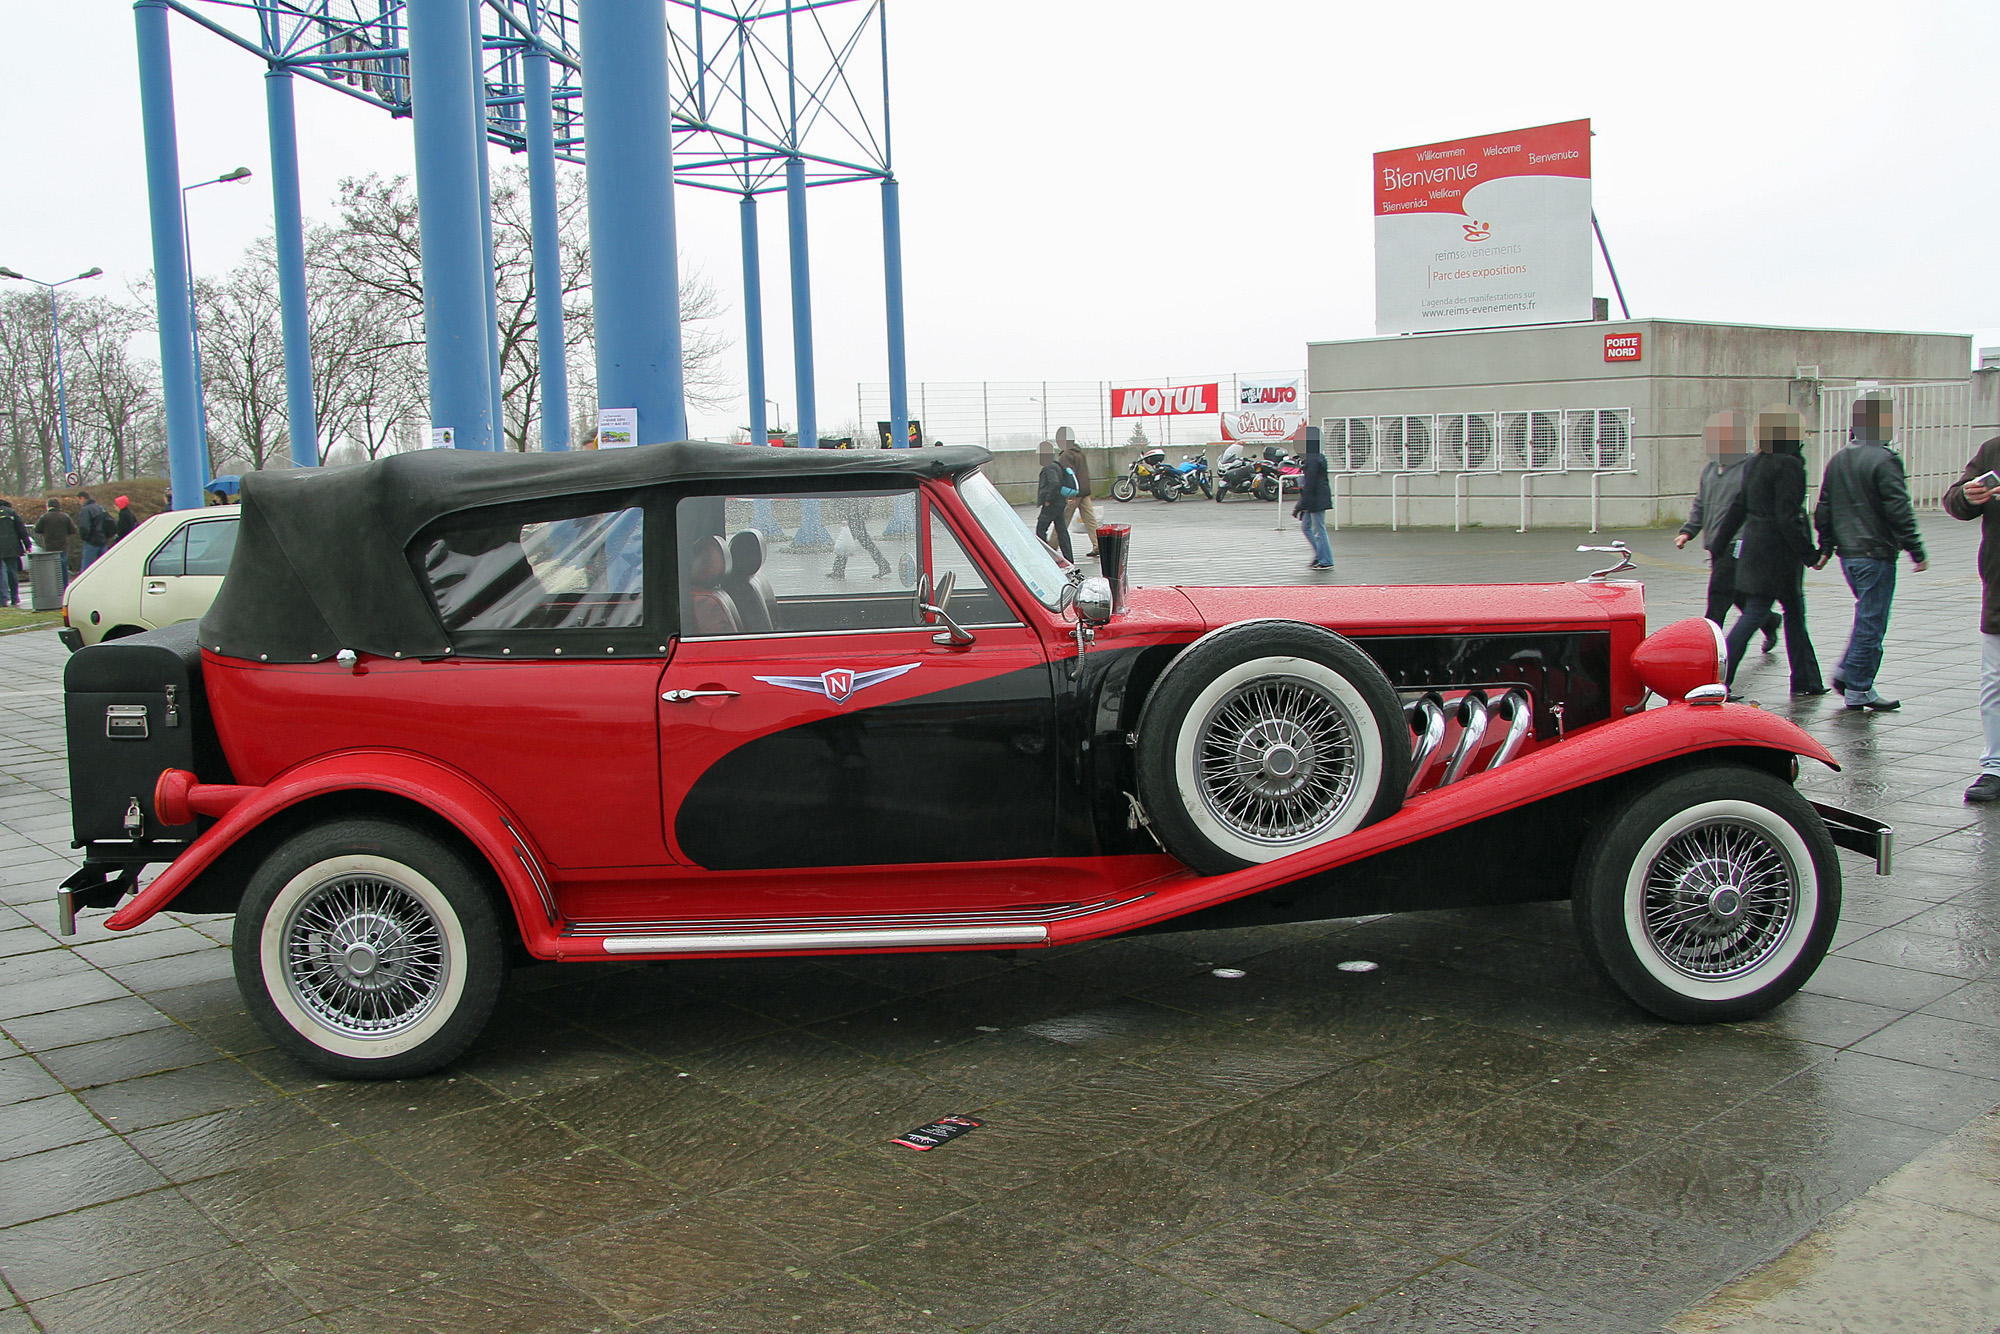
x=1475 y=233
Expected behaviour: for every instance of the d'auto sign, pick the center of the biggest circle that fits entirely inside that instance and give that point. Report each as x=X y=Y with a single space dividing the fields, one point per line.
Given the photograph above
x=1482 y=232
x=1180 y=400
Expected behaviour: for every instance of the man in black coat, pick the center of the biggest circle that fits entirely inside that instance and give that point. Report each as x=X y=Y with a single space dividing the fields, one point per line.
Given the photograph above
x=1864 y=514
x=15 y=542
x=1767 y=531
x=1727 y=439
x=1315 y=499
x=1972 y=496
x=1049 y=486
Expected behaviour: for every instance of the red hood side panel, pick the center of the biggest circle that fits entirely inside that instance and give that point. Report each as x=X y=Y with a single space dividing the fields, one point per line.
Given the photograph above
x=1428 y=608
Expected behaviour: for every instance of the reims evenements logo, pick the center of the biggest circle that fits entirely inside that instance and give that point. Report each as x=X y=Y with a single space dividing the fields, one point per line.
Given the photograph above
x=1477 y=231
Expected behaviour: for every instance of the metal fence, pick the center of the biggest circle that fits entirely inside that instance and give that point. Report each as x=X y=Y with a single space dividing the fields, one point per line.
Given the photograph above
x=1933 y=431
x=1020 y=414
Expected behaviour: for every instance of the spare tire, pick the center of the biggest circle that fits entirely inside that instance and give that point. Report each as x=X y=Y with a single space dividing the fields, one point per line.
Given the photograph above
x=1267 y=737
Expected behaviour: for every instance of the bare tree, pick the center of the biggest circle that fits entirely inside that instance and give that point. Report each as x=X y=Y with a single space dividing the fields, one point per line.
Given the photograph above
x=112 y=404
x=243 y=362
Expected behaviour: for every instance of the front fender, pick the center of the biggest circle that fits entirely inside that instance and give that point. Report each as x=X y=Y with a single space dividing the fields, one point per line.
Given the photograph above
x=1620 y=746
x=469 y=808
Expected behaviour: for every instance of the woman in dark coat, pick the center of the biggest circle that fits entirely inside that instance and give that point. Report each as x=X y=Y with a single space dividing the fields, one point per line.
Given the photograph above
x=1774 y=537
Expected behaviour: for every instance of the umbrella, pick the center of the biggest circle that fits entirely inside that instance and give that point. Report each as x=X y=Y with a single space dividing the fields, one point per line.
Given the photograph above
x=226 y=484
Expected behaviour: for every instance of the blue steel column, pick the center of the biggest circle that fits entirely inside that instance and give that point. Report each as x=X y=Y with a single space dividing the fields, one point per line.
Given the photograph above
x=457 y=344
x=807 y=414
x=892 y=287
x=163 y=195
x=480 y=159
x=753 y=320
x=541 y=135
x=634 y=264
x=290 y=222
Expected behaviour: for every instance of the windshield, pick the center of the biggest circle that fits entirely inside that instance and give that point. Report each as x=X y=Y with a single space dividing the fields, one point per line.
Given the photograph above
x=1035 y=563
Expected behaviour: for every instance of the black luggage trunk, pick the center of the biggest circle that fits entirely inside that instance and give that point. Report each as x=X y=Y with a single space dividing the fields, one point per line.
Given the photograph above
x=132 y=708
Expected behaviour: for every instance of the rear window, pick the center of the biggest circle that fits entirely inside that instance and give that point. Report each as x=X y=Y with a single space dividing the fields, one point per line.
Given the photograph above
x=199 y=548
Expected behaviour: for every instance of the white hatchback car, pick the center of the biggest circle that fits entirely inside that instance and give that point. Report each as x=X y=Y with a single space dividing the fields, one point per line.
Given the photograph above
x=167 y=570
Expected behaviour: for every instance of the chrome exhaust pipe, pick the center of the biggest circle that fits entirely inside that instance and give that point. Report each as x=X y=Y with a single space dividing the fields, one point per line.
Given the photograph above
x=1427 y=721
x=1519 y=711
x=1472 y=730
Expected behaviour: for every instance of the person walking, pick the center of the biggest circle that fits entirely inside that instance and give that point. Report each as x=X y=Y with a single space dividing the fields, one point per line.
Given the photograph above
x=854 y=511
x=15 y=542
x=127 y=520
x=1774 y=547
x=53 y=531
x=1864 y=515
x=1050 y=485
x=97 y=529
x=1315 y=499
x=1070 y=454
x=1727 y=442
x=1972 y=497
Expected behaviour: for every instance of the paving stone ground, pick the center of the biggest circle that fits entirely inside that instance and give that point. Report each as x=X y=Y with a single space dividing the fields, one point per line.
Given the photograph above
x=1477 y=1136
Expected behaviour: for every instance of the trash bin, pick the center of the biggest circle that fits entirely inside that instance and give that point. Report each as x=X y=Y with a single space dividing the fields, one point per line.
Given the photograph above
x=45 y=581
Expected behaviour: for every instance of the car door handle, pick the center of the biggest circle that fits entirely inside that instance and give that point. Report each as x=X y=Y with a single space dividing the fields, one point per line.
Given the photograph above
x=678 y=695
x=156 y=585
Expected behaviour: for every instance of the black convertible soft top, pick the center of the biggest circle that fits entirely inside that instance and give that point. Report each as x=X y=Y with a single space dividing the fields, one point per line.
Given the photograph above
x=321 y=563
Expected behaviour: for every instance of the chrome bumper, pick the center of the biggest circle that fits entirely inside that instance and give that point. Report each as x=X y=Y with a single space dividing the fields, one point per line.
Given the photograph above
x=1860 y=833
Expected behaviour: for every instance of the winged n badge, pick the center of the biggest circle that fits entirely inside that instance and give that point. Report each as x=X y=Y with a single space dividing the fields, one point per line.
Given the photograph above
x=838 y=683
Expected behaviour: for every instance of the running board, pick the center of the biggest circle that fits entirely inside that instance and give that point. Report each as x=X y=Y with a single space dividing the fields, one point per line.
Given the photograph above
x=1028 y=925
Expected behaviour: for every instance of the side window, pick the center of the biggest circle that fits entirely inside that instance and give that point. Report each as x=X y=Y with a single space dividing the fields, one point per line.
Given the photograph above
x=172 y=555
x=492 y=572
x=798 y=564
x=209 y=546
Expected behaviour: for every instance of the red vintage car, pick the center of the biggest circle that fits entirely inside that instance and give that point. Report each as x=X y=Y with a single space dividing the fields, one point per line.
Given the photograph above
x=698 y=700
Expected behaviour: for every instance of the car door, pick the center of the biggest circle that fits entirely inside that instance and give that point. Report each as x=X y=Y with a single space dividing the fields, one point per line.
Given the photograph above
x=857 y=730
x=182 y=576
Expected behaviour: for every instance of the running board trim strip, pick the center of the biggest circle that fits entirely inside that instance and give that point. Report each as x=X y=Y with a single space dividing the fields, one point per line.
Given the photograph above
x=745 y=941
x=1027 y=915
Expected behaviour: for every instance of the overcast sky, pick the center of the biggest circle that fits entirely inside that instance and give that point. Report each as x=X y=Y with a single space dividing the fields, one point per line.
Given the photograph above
x=1118 y=190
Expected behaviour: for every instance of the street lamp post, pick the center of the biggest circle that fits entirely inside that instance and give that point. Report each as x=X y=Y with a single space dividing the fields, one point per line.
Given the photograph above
x=194 y=320
x=777 y=417
x=55 y=323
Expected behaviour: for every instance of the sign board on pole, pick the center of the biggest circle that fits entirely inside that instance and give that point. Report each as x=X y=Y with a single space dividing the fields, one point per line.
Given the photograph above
x=1266 y=410
x=916 y=434
x=1181 y=400
x=441 y=437
x=617 y=428
x=1481 y=232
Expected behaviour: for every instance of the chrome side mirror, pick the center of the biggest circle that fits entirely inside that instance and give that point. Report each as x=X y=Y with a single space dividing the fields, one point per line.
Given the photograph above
x=1093 y=601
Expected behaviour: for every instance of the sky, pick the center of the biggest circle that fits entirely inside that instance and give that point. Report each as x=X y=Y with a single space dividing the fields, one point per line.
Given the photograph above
x=1095 y=190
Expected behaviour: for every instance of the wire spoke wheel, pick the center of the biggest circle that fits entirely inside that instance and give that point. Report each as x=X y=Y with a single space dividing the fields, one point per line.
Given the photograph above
x=1719 y=900
x=1277 y=760
x=364 y=957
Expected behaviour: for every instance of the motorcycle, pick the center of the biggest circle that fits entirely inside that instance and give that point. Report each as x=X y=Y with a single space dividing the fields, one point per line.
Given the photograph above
x=1243 y=473
x=1193 y=474
x=1145 y=472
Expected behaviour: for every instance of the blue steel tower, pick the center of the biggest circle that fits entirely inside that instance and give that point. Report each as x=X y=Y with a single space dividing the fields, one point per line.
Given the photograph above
x=748 y=98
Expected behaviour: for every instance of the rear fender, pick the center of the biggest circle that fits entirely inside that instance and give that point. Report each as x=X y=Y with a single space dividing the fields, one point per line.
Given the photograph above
x=448 y=794
x=1607 y=751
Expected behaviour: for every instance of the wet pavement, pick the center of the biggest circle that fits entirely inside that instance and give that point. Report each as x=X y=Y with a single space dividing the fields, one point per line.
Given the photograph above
x=1478 y=1135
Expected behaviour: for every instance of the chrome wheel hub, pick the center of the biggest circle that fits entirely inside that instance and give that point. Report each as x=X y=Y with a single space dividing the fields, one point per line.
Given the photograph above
x=364 y=956
x=1276 y=759
x=1720 y=899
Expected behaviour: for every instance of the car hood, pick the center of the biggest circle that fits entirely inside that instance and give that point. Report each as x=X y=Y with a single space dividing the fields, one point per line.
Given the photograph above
x=1378 y=609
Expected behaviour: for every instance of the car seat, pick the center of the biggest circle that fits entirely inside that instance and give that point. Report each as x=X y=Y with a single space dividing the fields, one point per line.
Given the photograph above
x=710 y=610
x=756 y=604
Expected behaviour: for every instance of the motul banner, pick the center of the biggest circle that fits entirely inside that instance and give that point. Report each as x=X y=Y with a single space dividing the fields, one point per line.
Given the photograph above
x=1181 y=400
x=1266 y=410
x=1482 y=232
